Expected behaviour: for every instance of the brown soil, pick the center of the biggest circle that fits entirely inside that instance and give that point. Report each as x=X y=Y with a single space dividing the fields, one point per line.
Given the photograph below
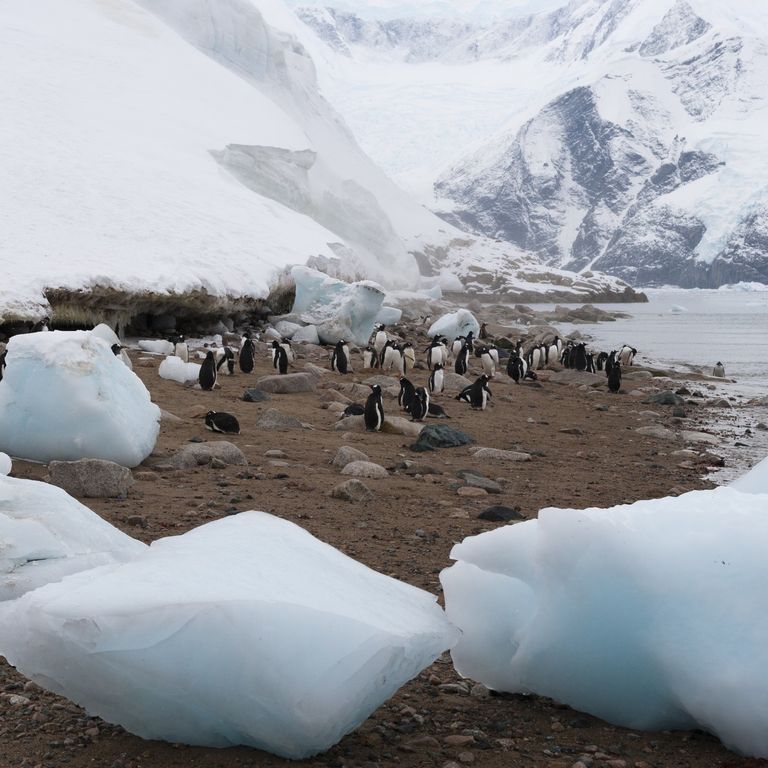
x=407 y=532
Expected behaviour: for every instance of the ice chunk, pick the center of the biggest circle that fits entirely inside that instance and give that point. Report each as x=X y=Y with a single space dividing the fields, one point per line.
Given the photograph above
x=65 y=396
x=45 y=535
x=455 y=324
x=308 y=333
x=156 y=346
x=247 y=630
x=754 y=481
x=286 y=328
x=103 y=331
x=5 y=464
x=389 y=315
x=339 y=310
x=175 y=369
x=651 y=616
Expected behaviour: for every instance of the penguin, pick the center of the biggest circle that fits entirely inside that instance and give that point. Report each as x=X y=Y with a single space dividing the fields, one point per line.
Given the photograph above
x=515 y=368
x=180 y=349
x=41 y=325
x=222 y=422
x=462 y=360
x=553 y=352
x=489 y=367
x=590 y=362
x=601 y=358
x=535 y=358
x=409 y=356
x=614 y=377
x=419 y=405
x=379 y=342
x=493 y=351
x=437 y=411
x=476 y=394
x=458 y=343
x=436 y=380
x=247 y=354
x=374 y=410
x=579 y=356
x=279 y=358
x=483 y=331
x=407 y=393
x=354 y=409
x=228 y=357
x=435 y=353
x=531 y=375
x=627 y=355
x=117 y=350
x=610 y=361
x=719 y=370
x=565 y=357
x=370 y=358
x=470 y=341
x=3 y=364
x=340 y=357
x=207 y=376
x=393 y=358
x=286 y=345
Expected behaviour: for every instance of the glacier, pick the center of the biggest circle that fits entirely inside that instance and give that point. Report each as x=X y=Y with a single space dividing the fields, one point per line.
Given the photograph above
x=46 y=535
x=247 y=630
x=651 y=615
x=66 y=396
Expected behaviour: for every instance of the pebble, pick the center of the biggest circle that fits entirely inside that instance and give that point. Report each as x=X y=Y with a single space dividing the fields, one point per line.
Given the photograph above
x=466 y=757
x=139 y=521
x=458 y=740
x=275 y=453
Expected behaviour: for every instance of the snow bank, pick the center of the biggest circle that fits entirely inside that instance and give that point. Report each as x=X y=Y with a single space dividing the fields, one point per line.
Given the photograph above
x=65 y=395
x=455 y=324
x=46 y=535
x=754 y=481
x=175 y=369
x=247 y=630
x=651 y=616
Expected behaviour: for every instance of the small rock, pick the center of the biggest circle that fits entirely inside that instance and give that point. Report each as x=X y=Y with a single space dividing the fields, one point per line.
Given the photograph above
x=501 y=514
x=458 y=740
x=137 y=521
x=477 y=481
x=275 y=453
x=655 y=430
x=217 y=463
x=572 y=431
x=479 y=691
x=762 y=426
x=199 y=454
x=436 y=436
x=466 y=757
x=352 y=490
x=274 y=419
x=93 y=478
x=288 y=384
x=346 y=455
x=364 y=469
x=667 y=397
x=497 y=454
x=255 y=395
x=171 y=418
x=469 y=491
x=15 y=700
x=700 y=437
x=679 y=413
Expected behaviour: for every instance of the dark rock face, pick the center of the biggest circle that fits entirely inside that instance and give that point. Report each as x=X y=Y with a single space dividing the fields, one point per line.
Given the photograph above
x=680 y=26
x=745 y=256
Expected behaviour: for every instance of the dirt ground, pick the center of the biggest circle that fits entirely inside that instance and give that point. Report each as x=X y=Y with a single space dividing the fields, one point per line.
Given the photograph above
x=406 y=531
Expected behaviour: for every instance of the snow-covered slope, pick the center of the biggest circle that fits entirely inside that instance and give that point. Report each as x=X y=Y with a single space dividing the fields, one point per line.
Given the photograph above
x=617 y=135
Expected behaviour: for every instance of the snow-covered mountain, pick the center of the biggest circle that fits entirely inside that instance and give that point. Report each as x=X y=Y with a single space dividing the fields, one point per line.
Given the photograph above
x=613 y=135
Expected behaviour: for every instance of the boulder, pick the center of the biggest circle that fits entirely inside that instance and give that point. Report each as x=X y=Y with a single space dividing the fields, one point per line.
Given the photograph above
x=501 y=514
x=455 y=382
x=274 y=419
x=435 y=436
x=289 y=384
x=364 y=469
x=346 y=455
x=198 y=454
x=93 y=478
x=700 y=437
x=393 y=425
x=667 y=397
x=255 y=395
x=352 y=490
x=656 y=430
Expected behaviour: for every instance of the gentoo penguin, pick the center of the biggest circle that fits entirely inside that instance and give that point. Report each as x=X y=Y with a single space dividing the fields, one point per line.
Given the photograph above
x=719 y=370
x=436 y=380
x=515 y=367
x=535 y=358
x=117 y=350
x=180 y=349
x=247 y=354
x=279 y=358
x=565 y=357
x=614 y=377
x=579 y=355
x=41 y=325
x=222 y=422
x=437 y=411
x=419 y=405
x=477 y=394
x=435 y=353
x=370 y=358
x=393 y=358
x=489 y=366
x=228 y=357
x=493 y=351
x=601 y=358
x=340 y=357
x=458 y=343
x=610 y=361
x=409 y=356
x=3 y=363
x=379 y=341
x=627 y=355
x=374 y=410
x=354 y=409
x=407 y=393
x=552 y=353
x=207 y=376
x=470 y=341
x=286 y=345
x=462 y=360
x=483 y=331
x=590 y=362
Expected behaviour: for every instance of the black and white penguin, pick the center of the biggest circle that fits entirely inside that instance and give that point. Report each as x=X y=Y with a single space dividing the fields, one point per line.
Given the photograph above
x=627 y=355
x=435 y=354
x=614 y=377
x=590 y=362
x=118 y=351
x=228 y=357
x=462 y=360
x=393 y=359
x=279 y=358
x=579 y=355
x=286 y=345
x=222 y=422
x=3 y=364
x=340 y=357
x=41 y=325
x=470 y=341
x=601 y=358
x=437 y=380
x=354 y=409
x=536 y=358
x=437 y=411
x=180 y=349
x=565 y=357
x=610 y=361
x=515 y=369
x=458 y=343
x=207 y=376
x=476 y=394
x=247 y=354
x=419 y=405
x=409 y=356
x=483 y=331
x=370 y=358
x=374 y=410
x=379 y=342
x=406 y=395
x=719 y=370
x=493 y=351
x=488 y=363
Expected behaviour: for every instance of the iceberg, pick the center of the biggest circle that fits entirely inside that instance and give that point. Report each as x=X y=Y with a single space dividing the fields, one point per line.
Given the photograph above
x=65 y=396
x=46 y=535
x=754 y=481
x=651 y=616
x=5 y=464
x=339 y=310
x=455 y=324
x=247 y=630
x=175 y=369
x=156 y=346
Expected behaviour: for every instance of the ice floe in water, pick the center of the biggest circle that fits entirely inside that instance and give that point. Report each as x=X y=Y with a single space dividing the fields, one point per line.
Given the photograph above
x=64 y=395
x=455 y=324
x=247 y=630
x=45 y=535
x=651 y=616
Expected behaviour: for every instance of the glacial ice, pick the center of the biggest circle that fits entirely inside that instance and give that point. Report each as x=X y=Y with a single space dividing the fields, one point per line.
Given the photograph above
x=46 y=535
x=175 y=369
x=247 y=630
x=6 y=465
x=339 y=310
x=455 y=324
x=156 y=346
x=65 y=396
x=389 y=315
x=754 y=481
x=651 y=616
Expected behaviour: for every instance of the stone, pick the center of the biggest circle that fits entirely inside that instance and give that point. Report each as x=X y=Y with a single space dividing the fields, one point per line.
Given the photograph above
x=364 y=469
x=255 y=395
x=458 y=740
x=721 y=402
x=478 y=481
x=334 y=396
x=501 y=514
x=466 y=757
x=274 y=419
x=455 y=382
x=479 y=691
x=436 y=436
x=314 y=370
x=306 y=334
x=679 y=412
x=470 y=491
x=346 y=455
x=91 y=478
x=572 y=431
x=699 y=437
x=656 y=430
x=289 y=384
x=762 y=426
x=393 y=425
x=198 y=454
x=667 y=397
x=171 y=418
x=636 y=375
x=382 y=381
x=497 y=454
x=352 y=490
x=335 y=407
x=137 y=521
x=275 y=453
